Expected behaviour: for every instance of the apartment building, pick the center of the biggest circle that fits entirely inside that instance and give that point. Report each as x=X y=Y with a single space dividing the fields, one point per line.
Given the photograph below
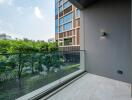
x=67 y=25
x=51 y=40
x=4 y=36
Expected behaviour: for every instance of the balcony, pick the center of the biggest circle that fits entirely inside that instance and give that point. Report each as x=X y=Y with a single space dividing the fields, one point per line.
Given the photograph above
x=93 y=87
x=103 y=71
x=31 y=77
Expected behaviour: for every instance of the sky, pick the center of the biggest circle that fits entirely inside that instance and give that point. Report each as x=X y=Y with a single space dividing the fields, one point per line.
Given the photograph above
x=32 y=19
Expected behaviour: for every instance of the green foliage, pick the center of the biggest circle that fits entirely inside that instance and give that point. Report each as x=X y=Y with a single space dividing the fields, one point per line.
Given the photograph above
x=48 y=61
x=18 y=55
x=4 y=46
x=53 y=47
x=52 y=60
x=26 y=46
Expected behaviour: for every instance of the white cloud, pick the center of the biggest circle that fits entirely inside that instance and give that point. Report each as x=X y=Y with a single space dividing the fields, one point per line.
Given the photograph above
x=20 y=10
x=8 y=2
x=2 y=1
x=38 y=13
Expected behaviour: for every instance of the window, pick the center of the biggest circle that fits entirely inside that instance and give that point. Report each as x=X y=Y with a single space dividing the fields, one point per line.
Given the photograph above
x=60 y=9
x=61 y=29
x=65 y=0
x=68 y=41
x=67 y=10
x=60 y=42
x=56 y=9
x=56 y=1
x=77 y=13
x=67 y=4
x=68 y=18
x=60 y=2
x=56 y=22
x=56 y=26
x=68 y=26
x=61 y=21
x=56 y=29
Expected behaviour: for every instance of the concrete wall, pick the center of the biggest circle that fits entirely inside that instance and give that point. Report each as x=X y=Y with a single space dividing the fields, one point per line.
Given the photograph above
x=106 y=56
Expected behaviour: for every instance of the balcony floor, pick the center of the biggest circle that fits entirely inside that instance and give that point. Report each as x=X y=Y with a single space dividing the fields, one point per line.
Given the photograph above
x=93 y=87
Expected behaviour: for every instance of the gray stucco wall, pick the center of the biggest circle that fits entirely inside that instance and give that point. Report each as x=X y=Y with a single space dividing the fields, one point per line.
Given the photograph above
x=105 y=57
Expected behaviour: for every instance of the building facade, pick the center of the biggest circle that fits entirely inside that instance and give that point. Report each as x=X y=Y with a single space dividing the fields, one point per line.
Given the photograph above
x=67 y=25
x=51 y=40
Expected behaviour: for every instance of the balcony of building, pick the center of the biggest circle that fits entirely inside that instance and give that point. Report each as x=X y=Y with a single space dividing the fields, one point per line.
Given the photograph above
x=106 y=38
x=93 y=87
x=101 y=70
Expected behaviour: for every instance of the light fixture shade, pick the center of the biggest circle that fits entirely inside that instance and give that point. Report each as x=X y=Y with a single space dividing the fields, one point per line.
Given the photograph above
x=103 y=34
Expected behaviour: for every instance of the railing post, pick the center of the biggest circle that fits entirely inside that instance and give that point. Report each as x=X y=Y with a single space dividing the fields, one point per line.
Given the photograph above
x=82 y=60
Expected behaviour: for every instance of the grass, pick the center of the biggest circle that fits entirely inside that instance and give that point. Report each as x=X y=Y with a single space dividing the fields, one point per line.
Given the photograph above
x=71 y=66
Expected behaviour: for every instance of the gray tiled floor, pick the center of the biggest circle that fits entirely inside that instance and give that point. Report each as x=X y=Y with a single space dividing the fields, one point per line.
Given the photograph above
x=93 y=87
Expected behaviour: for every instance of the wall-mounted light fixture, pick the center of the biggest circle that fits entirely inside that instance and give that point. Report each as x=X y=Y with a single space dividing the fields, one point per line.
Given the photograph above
x=103 y=34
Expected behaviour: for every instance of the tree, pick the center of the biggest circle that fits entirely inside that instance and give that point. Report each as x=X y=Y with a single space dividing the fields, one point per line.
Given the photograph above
x=53 y=47
x=47 y=60
x=6 y=67
x=52 y=60
x=19 y=54
x=4 y=45
x=57 y=60
x=18 y=61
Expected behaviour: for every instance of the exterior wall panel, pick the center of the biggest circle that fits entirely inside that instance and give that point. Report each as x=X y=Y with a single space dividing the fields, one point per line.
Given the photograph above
x=108 y=56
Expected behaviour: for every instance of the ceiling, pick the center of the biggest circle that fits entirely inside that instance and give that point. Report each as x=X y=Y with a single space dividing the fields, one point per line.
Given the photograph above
x=82 y=4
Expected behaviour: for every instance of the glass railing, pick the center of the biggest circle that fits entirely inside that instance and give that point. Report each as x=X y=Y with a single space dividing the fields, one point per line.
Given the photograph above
x=23 y=73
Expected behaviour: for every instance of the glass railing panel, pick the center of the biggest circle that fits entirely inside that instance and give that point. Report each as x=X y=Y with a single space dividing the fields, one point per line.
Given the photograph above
x=23 y=73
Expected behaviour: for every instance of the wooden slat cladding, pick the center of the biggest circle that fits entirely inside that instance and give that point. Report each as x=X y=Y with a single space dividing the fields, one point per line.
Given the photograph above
x=73 y=40
x=56 y=36
x=73 y=31
x=61 y=14
x=66 y=34
x=76 y=23
x=60 y=35
x=69 y=33
x=69 y=9
x=78 y=36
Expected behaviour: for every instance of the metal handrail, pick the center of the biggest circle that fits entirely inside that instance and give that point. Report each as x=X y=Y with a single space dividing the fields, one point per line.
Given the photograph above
x=39 y=52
